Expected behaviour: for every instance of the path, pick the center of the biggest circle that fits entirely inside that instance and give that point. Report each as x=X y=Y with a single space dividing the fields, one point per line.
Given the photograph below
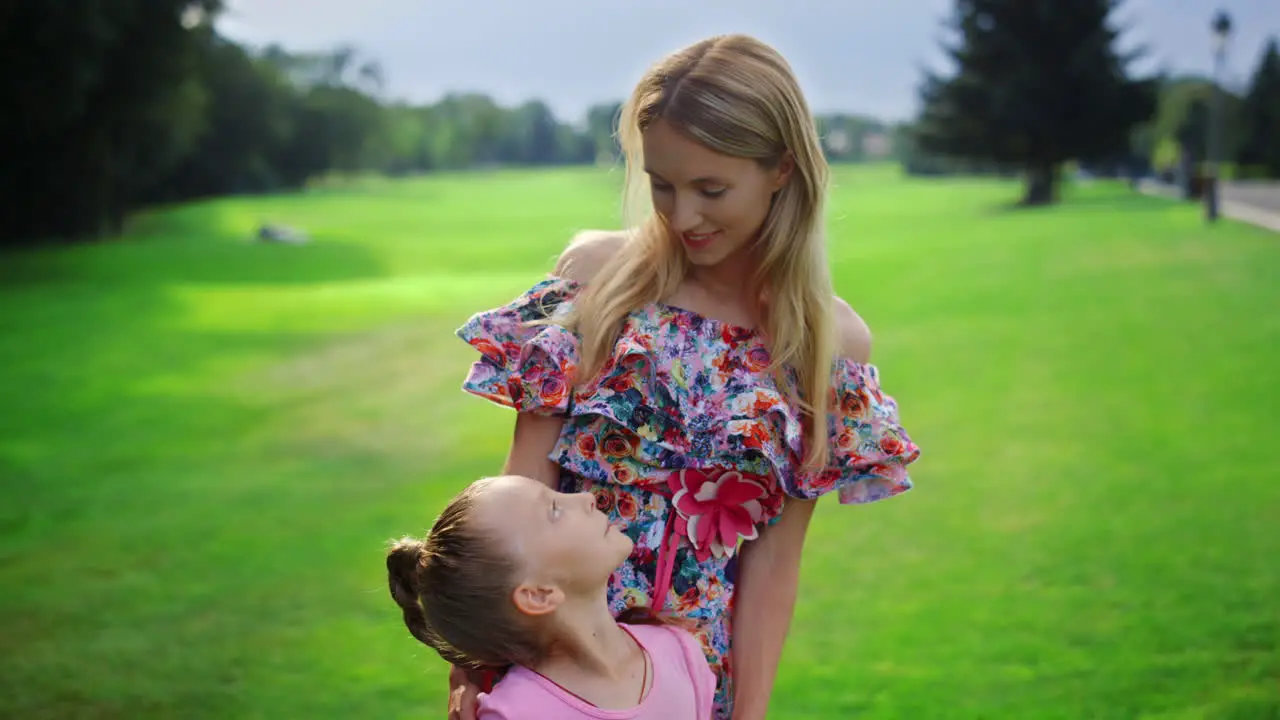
x=1256 y=201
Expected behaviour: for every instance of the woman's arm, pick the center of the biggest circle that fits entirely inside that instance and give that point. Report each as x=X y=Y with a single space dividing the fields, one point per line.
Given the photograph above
x=535 y=435
x=531 y=442
x=769 y=570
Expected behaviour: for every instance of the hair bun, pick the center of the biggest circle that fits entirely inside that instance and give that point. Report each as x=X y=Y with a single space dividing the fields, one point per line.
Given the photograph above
x=403 y=560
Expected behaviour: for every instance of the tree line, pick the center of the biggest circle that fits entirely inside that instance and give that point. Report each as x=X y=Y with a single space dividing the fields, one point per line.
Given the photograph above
x=128 y=103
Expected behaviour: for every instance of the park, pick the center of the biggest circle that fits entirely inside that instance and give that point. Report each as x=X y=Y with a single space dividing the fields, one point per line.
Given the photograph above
x=209 y=439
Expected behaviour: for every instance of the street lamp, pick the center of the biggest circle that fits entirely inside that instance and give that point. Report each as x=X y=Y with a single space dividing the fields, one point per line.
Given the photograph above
x=1221 y=28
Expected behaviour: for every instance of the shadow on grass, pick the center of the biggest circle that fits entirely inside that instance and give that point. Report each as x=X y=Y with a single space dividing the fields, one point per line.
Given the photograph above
x=1111 y=200
x=212 y=242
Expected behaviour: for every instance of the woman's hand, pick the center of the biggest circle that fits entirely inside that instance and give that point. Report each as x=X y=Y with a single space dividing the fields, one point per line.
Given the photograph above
x=462 y=695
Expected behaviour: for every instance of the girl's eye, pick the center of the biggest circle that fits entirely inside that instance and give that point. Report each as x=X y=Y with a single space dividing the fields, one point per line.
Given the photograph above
x=717 y=192
x=658 y=187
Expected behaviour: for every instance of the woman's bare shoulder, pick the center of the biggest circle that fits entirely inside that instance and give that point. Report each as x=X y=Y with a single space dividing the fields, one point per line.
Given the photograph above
x=588 y=251
x=853 y=333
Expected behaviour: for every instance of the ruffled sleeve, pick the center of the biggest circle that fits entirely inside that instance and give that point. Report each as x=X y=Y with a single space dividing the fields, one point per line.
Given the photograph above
x=522 y=365
x=869 y=449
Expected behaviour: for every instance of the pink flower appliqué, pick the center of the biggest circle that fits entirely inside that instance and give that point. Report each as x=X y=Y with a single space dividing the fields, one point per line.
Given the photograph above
x=714 y=509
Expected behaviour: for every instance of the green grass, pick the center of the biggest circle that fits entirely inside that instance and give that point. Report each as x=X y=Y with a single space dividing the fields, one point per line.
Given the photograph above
x=207 y=442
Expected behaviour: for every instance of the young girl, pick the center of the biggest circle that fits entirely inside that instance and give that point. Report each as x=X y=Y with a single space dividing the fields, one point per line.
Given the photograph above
x=514 y=573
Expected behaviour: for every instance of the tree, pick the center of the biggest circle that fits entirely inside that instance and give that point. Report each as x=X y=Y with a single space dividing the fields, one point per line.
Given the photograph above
x=1179 y=98
x=1037 y=83
x=107 y=109
x=602 y=128
x=1260 y=117
x=233 y=149
x=534 y=129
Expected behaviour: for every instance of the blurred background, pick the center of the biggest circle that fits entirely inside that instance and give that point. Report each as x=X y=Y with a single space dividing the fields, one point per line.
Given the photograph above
x=237 y=238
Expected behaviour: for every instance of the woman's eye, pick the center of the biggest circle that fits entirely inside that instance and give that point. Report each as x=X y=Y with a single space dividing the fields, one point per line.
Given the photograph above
x=658 y=187
x=713 y=192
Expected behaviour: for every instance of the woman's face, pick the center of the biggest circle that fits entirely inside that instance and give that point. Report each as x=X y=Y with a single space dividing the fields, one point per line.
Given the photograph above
x=713 y=204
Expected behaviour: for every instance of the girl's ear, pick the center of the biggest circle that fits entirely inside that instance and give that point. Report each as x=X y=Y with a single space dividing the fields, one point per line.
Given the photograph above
x=533 y=599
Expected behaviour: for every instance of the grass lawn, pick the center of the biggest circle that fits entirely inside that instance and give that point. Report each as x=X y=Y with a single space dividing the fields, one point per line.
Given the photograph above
x=206 y=444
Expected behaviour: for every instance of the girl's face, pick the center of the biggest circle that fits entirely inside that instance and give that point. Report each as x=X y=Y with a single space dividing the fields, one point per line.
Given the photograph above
x=563 y=544
x=712 y=204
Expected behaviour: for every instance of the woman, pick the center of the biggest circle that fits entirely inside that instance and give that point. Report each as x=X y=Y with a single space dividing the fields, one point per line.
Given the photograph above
x=696 y=372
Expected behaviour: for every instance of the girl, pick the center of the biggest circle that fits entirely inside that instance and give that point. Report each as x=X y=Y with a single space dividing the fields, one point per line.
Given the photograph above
x=514 y=572
x=696 y=373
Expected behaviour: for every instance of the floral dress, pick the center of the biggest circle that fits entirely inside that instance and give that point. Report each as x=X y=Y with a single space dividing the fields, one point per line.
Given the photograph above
x=685 y=437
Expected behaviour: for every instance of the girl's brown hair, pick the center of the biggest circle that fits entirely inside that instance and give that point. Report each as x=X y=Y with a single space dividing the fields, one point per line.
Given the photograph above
x=455 y=588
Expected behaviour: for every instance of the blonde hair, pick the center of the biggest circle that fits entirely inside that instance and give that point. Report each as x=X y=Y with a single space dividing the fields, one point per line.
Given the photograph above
x=739 y=97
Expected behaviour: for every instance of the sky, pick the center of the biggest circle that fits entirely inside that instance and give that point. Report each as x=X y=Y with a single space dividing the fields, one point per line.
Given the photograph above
x=860 y=56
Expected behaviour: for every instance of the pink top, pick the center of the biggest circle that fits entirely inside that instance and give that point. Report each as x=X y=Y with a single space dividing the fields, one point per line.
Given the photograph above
x=683 y=686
